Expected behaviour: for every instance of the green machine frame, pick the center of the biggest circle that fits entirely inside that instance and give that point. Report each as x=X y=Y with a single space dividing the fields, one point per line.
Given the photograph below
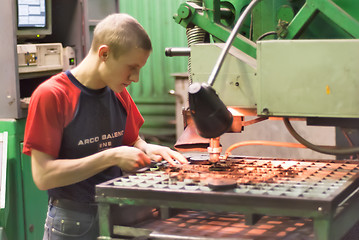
x=25 y=205
x=289 y=19
x=271 y=25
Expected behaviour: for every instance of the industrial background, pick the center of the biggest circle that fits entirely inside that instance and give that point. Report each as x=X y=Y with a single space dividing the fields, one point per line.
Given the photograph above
x=161 y=93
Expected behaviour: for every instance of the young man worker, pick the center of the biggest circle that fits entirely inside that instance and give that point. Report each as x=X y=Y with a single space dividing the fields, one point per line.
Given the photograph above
x=83 y=128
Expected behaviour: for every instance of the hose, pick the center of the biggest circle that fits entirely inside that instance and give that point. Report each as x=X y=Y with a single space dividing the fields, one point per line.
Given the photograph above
x=331 y=150
x=263 y=143
x=266 y=35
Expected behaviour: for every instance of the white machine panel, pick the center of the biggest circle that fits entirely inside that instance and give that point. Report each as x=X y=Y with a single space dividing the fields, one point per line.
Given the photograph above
x=40 y=57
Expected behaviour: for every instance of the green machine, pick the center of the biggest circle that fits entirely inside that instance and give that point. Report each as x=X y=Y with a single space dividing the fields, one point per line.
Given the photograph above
x=288 y=59
x=269 y=59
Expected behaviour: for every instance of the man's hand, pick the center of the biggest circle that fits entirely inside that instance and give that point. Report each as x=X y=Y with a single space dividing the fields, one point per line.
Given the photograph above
x=129 y=158
x=159 y=153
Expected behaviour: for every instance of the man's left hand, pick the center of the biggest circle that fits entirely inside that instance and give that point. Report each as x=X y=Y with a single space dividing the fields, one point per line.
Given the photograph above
x=158 y=153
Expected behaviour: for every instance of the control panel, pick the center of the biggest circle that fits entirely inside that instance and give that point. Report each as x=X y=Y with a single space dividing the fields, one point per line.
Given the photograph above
x=39 y=57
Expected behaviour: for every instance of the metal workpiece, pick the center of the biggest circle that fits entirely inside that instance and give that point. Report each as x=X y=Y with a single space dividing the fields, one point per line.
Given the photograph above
x=321 y=191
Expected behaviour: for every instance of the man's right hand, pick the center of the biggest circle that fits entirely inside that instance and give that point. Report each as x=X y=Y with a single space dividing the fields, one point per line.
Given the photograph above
x=129 y=158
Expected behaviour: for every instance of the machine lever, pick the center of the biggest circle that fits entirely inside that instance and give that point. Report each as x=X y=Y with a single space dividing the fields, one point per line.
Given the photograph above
x=229 y=42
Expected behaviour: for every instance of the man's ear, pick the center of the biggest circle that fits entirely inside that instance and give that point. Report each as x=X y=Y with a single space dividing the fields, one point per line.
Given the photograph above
x=103 y=52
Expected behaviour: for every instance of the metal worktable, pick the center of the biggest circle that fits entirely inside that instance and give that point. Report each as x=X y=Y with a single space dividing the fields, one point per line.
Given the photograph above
x=324 y=191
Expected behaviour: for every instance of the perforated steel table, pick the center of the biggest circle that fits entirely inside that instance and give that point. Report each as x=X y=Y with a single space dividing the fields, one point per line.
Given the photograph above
x=324 y=191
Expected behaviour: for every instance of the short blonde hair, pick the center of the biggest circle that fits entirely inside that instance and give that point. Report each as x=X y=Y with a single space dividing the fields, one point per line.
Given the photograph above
x=121 y=32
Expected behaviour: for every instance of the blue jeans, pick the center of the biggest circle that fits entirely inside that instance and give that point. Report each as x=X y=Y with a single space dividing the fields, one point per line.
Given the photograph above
x=64 y=224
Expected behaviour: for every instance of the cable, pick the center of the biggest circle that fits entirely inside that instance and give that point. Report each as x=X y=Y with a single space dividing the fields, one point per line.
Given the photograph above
x=267 y=34
x=346 y=135
x=331 y=150
x=263 y=143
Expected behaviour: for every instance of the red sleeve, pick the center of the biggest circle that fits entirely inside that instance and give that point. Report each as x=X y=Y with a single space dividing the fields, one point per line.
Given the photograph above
x=51 y=108
x=134 y=118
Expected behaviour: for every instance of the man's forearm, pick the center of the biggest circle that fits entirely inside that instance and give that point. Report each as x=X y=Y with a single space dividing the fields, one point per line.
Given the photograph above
x=141 y=144
x=50 y=173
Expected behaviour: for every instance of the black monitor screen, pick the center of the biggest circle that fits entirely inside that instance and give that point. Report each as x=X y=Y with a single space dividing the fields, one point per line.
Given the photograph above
x=31 y=13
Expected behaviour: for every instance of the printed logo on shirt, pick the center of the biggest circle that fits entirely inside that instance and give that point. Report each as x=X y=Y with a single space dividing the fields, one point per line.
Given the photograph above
x=103 y=137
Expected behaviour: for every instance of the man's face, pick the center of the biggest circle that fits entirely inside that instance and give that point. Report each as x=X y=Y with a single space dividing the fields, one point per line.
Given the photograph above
x=121 y=72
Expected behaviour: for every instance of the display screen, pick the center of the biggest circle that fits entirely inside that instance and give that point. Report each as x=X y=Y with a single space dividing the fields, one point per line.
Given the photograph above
x=31 y=13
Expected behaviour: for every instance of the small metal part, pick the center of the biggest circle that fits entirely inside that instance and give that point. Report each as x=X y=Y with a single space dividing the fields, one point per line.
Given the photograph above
x=219 y=167
x=214 y=150
x=178 y=96
x=199 y=159
x=265 y=111
x=184 y=12
x=282 y=28
x=222 y=183
x=252 y=219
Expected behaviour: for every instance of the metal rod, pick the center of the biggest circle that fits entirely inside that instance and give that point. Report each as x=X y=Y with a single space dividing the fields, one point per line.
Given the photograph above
x=229 y=42
x=174 y=52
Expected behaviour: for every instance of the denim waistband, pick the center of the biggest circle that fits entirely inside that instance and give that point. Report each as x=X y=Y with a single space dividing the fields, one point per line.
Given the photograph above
x=73 y=205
